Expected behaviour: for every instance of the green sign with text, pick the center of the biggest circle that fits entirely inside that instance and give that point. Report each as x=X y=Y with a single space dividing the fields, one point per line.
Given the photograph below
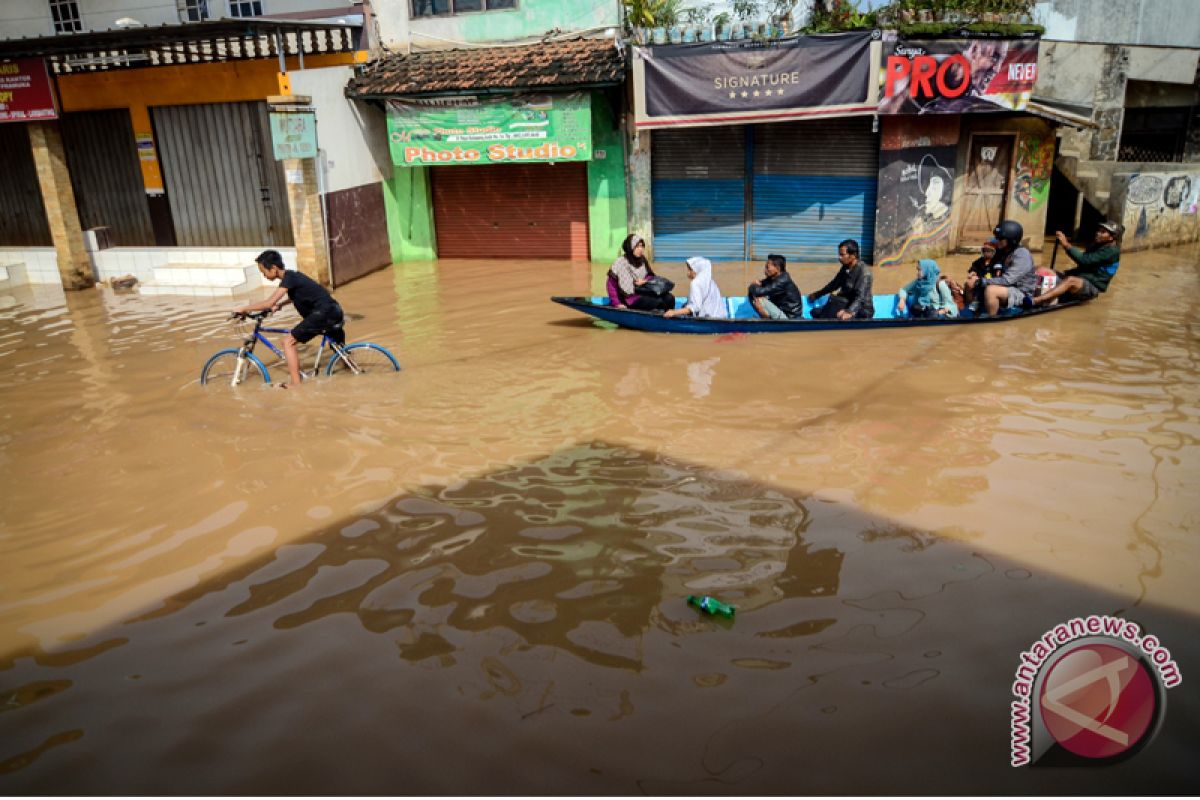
x=468 y=130
x=293 y=134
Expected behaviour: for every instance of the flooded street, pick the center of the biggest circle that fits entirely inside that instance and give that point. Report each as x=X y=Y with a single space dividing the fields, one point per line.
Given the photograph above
x=470 y=577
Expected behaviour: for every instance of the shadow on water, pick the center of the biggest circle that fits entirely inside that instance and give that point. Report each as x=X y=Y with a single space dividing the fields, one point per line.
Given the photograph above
x=525 y=631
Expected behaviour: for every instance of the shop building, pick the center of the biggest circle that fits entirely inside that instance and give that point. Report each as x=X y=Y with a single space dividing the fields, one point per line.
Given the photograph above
x=744 y=148
x=502 y=127
x=164 y=136
x=963 y=146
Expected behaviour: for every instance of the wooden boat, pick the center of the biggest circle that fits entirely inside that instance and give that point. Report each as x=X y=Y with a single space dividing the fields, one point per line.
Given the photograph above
x=743 y=319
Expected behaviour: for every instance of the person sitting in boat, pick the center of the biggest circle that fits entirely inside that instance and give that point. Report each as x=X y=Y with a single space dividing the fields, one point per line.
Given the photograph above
x=631 y=270
x=927 y=297
x=1096 y=266
x=850 y=289
x=1018 y=276
x=775 y=295
x=704 y=297
x=983 y=267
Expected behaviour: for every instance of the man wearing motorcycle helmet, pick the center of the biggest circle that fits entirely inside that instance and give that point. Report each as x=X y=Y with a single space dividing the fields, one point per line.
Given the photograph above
x=1018 y=278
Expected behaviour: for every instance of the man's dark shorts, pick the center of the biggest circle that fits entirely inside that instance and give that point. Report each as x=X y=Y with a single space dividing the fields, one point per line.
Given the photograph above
x=1087 y=291
x=321 y=320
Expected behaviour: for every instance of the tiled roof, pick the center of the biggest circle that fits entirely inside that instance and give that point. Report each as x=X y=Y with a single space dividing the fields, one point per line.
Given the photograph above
x=571 y=62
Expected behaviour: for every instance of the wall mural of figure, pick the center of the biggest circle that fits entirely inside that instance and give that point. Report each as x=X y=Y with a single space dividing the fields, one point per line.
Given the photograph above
x=915 y=220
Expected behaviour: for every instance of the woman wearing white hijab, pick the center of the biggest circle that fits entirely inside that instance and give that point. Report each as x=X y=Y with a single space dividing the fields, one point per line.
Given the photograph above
x=704 y=298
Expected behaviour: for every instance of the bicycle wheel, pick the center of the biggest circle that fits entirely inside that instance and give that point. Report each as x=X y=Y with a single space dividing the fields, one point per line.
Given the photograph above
x=368 y=358
x=219 y=371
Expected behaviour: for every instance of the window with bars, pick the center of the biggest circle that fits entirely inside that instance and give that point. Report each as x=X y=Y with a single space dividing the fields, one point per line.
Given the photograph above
x=245 y=8
x=195 y=11
x=433 y=8
x=1154 y=134
x=65 y=16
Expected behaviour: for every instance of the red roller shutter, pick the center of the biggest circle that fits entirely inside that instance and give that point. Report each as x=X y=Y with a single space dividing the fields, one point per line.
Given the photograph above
x=511 y=211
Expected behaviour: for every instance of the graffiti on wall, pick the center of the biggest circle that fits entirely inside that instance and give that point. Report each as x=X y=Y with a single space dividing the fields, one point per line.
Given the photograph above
x=916 y=191
x=1144 y=189
x=1035 y=159
x=1177 y=189
x=1161 y=208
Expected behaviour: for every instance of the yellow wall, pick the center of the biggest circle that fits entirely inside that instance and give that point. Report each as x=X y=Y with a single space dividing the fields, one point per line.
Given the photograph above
x=185 y=84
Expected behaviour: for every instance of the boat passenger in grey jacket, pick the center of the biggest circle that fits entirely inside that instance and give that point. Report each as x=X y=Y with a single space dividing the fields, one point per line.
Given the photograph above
x=1018 y=277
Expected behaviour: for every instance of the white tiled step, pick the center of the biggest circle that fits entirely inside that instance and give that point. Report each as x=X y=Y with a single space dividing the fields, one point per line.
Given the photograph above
x=216 y=275
x=202 y=280
x=188 y=291
x=13 y=274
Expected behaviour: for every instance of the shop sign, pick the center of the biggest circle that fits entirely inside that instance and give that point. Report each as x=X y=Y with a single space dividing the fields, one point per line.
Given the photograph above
x=25 y=91
x=471 y=130
x=294 y=134
x=957 y=76
x=721 y=83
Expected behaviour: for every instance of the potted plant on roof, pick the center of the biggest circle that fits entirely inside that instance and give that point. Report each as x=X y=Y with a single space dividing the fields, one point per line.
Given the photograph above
x=721 y=26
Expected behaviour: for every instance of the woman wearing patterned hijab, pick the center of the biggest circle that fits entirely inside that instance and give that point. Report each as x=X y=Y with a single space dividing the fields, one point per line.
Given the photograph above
x=631 y=270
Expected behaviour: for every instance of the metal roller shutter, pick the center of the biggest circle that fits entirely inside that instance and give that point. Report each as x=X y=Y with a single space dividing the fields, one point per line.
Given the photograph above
x=814 y=185
x=23 y=220
x=106 y=175
x=224 y=186
x=529 y=211
x=699 y=193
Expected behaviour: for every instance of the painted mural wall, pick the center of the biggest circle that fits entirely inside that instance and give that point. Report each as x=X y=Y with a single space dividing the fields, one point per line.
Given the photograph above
x=916 y=188
x=1157 y=208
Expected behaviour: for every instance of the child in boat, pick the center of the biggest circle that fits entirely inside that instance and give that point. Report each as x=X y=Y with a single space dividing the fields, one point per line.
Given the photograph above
x=704 y=298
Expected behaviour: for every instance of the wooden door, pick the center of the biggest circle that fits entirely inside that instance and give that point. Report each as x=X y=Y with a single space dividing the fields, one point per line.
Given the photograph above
x=986 y=189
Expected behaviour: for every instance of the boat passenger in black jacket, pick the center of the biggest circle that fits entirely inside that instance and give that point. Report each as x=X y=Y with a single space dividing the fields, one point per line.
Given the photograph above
x=850 y=289
x=776 y=295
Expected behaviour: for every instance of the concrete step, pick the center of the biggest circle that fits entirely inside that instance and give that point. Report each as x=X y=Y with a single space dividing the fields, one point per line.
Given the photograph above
x=13 y=274
x=202 y=280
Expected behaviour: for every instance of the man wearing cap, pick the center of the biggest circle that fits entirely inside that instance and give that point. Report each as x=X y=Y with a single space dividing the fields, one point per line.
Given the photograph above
x=1096 y=266
x=1018 y=276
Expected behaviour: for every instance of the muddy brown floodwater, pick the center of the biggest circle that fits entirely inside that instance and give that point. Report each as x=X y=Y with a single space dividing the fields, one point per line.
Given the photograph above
x=470 y=577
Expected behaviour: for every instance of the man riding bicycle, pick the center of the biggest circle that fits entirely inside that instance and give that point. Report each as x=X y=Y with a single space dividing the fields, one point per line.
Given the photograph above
x=322 y=314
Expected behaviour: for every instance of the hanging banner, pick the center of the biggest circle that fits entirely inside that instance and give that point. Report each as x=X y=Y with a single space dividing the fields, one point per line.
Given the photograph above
x=471 y=130
x=719 y=83
x=25 y=92
x=956 y=76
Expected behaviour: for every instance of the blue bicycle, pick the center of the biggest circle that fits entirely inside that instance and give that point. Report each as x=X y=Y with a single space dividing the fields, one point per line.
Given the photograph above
x=236 y=366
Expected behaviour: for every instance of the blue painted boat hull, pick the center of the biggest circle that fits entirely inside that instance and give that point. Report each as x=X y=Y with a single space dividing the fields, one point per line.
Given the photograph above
x=741 y=322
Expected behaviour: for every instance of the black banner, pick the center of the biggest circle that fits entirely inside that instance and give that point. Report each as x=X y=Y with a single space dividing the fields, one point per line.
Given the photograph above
x=803 y=72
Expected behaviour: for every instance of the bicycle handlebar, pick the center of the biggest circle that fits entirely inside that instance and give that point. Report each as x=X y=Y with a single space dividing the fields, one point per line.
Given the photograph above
x=256 y=315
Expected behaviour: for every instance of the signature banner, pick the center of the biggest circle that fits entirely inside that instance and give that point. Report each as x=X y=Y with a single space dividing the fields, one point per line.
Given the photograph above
x=721 y=82
x=956 y=76
x=470 y=130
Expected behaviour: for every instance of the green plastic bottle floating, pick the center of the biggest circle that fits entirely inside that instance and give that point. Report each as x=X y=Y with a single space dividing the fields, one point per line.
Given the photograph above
x=711 y=605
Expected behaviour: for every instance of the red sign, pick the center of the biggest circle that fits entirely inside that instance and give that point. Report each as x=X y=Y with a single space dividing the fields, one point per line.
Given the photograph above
x=25 y=92
x=958 y=76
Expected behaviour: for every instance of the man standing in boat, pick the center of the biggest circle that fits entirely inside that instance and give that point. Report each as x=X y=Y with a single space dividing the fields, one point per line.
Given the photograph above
x=1018 y=276
x=850 y=289
x=1095 y=269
